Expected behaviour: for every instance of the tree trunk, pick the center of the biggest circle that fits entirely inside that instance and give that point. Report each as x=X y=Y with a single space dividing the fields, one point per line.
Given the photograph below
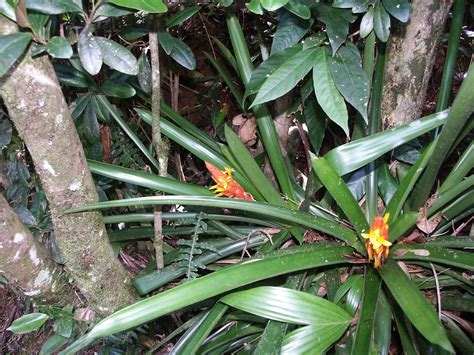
x=27 y=265
x=410 y=58
x=39 y=111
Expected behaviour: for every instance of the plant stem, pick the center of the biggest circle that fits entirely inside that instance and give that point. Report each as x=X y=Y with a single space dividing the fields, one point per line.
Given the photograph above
x=161 y=146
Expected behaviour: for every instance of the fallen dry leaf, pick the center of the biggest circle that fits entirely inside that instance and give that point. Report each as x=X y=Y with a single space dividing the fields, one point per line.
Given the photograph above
x=246 y=129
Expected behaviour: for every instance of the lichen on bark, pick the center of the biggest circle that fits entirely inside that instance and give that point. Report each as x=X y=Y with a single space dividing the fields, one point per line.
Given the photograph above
x=41 y=116
x=27 y=265
x=410 y=57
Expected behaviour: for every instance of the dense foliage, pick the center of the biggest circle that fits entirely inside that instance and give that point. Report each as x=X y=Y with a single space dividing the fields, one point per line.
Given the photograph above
x=356 y=277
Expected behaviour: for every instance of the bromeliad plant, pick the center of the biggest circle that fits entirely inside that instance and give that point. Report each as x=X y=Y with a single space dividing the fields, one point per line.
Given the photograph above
x=384 y=266
x=369 y=270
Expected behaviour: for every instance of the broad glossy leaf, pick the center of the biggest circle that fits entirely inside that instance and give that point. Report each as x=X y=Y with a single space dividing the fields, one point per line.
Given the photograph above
x=356 y=154
x=151 y=6
x=59 y=47
x=367 y=23
x=339 y=191
x=7 y=9
x=119 y=89
x=351 y=79
x=91 y=125
x=144 y=73
x=90 y=53
x=316 y=122
x=289 y=31
x=285 y=78
x=70 y=76
x=167 y=41
x=357 y=6
x=273 y=5
x=28 y=323
x=328 y=96
x=11 y=48
x=314 y=40
x=183 y=55
x=255 y=7
x=294 y=259
x=299 y=8
x=106 y=10
x=181 y=16
x=269 y=66
x=400 y=9
x=117 y=56
x=337 y=24
x=415 y=306
x=285 y=214
x=381 y=23
x=53 y=7
x=312 y=339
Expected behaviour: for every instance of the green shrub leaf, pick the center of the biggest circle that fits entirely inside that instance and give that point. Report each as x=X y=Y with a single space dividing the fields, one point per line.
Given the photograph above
x=90 y=53
x=117 y=56
x=11 y=48
x=28 y=323
x=59 y=47
x=151 y=6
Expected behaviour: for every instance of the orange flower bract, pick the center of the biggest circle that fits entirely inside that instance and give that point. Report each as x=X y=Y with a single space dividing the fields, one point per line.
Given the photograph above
x=377 y=243
x=226 y=184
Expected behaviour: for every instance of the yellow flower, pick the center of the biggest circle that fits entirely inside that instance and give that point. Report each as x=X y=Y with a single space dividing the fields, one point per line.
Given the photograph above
x=377 y=243
x=226 y=184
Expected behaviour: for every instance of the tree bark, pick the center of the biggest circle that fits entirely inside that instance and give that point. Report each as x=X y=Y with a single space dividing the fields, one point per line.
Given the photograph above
x=27 y=265
x=41 y=116
x=410 y=57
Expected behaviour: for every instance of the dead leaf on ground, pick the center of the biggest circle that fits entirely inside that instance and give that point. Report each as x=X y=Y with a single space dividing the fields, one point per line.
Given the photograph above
x=246 y=127
x=428 y=225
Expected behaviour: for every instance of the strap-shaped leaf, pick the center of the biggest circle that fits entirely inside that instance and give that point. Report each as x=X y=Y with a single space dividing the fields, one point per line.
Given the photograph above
x=414 y=305
x=285 y=78
x=328 y=96
x=181 y=16
x=298 y=258
x=339 y=191
x=356 y=154
x=28 y=323
x=285 y=214
x=312 y=339
x=287 y=305
x=251 y=168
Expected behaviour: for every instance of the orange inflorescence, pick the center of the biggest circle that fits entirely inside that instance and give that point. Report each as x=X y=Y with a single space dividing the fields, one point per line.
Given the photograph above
x=226 y=184
x=377 y=243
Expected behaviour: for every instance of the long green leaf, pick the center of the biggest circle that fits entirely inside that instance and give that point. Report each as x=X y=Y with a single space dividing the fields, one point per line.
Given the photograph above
x=464 y=164
x=339 y=191
x=356 y=154
x=195 y=336
x=251 y=168
x=328 y=96
x=426 y=252
x=420 y=313
x=287 y=305
x=298 y=258
x=151 y=181
x=461 y=111
x=297 y=217
x=265 y=122
x=285 y=78
x=365 y=325
x=105 y=103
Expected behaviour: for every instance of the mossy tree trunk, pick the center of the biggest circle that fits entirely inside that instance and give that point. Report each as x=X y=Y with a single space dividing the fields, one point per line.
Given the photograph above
x=410 y=57
x=27 y=265
x=41 y=116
